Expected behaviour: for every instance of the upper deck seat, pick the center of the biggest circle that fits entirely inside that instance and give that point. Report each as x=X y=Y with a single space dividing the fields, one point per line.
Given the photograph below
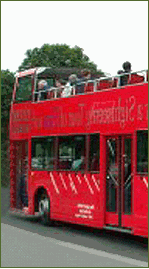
x=79 y=88
x=64 y=165
x=50 y=94
x=89 y=87
x=114 y=82
x=135 y=78
x=104 y=84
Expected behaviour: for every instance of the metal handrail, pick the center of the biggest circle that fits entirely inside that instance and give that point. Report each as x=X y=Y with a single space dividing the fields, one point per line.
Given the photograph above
x=95 y=82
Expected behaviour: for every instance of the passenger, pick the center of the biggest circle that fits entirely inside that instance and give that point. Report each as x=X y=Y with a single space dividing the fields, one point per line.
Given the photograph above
x=81 y=85
x=69 y=85
x=126 y=69
x=86 y=75
x=78 y=164
x=42 y=90
x=88 y=81
x=119 y=72
x=120 y=80
x=60 y=87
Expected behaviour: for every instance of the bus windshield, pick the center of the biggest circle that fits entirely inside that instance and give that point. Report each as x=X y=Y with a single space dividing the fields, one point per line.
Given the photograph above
x=24 y=89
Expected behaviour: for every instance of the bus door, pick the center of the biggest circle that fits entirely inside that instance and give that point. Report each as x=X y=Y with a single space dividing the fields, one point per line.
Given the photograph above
x=119 y=181
x=21 y=174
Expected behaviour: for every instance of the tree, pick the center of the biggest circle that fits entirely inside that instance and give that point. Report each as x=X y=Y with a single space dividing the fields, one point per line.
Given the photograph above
x=7 y=81
x=59 y=56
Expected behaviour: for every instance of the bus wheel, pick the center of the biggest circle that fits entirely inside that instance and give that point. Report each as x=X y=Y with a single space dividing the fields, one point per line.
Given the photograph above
x=44 y=209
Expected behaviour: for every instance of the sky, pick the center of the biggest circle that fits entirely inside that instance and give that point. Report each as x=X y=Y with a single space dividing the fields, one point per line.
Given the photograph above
x=109 y=32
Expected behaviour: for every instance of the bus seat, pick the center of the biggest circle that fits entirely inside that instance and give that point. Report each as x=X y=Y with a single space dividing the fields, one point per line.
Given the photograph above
x=89 y=87
x=104 y=84
x=50 y=95
x=64 y=165
x=79 y=88
x=115 y=83
x=135 y=78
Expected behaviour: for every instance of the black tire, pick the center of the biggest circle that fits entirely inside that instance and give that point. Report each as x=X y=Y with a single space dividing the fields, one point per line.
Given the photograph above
x=44 y=209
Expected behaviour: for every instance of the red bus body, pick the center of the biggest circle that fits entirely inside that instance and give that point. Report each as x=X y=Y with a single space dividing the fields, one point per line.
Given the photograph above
x=80 y=197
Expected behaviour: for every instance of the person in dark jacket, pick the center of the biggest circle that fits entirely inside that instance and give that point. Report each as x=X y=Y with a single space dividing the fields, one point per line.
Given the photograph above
x=126 y=70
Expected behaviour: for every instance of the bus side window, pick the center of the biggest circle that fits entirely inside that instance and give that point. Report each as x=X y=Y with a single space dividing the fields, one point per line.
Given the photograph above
x=94 y=153
x=142 y=151
x=79 y=156
x=43 y=153
x=71 y=154
x=65 y=154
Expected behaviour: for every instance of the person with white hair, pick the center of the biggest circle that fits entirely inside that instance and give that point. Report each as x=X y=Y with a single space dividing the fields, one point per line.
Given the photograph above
x=72 y=80
x=41 y=92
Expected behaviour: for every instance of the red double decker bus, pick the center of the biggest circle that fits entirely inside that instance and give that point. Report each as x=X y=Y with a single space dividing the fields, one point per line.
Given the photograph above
x=81 y=157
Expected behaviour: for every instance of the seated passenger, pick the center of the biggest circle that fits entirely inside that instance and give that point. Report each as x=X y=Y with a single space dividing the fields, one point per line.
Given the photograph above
x=127 y=67
x=69 y=86
x=80 y=84
x=41 y=93
x=60 y=87
x=121 y=81
x=87 y=75
x=125 y=78
x=89 y=85
x=78 y=164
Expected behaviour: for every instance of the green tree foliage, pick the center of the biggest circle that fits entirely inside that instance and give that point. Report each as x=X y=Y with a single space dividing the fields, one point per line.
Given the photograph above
x=60 y=56
x=7 y=81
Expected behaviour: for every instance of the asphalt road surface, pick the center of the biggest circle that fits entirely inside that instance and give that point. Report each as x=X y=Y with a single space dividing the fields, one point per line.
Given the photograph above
x=26 y=243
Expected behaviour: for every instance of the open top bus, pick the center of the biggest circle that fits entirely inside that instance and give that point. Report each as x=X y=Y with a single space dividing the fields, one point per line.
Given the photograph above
x=83 y=158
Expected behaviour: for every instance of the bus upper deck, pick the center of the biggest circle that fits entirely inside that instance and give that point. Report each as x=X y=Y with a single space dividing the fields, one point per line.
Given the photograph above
x=26 y=86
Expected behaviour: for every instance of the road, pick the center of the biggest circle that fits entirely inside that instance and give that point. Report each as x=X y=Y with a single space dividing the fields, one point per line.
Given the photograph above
x=26 y=243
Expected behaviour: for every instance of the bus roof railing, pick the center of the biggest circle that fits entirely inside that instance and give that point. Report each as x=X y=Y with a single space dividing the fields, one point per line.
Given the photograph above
x=84 y=87
x=55 y=92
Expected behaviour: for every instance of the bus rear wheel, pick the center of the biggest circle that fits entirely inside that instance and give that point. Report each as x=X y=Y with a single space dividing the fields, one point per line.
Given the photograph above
x=44 y=209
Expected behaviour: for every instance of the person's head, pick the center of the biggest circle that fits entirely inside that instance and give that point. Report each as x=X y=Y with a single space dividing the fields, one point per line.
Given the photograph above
x=72 y=78
x=127 y=67
x=86 y=73
x=59 y=83
x=42 y=84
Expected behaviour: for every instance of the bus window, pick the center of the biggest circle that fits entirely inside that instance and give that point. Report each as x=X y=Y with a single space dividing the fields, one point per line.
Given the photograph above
x=71 y=153
x=65 y=153
x=24 y=89
x=43 y=153
x=79 y=149
x=142 y=151
x=94 y=153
